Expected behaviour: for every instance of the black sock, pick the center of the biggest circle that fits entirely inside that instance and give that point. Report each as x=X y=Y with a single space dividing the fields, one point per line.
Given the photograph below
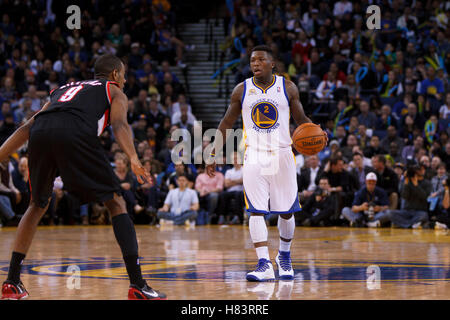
x=14 y=266
x=126 y=237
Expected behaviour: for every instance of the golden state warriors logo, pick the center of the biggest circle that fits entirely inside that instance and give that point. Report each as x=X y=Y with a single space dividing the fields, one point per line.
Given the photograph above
x=264 y=115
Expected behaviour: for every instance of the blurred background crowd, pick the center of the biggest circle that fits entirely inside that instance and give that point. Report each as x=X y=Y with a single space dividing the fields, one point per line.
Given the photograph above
x=382 y=95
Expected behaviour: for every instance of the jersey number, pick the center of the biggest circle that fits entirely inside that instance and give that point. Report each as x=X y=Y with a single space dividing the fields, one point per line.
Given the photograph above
x=70 y=93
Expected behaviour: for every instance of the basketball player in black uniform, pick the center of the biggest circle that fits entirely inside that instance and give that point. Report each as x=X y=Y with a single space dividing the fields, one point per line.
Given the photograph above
x=63 y=140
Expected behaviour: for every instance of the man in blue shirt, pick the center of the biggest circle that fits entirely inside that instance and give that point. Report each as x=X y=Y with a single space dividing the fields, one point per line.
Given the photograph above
x=181 y=204
x=432 y=86
x=370 y=204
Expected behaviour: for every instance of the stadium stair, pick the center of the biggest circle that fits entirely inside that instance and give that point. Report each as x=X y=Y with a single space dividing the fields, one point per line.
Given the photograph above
x=204 y=96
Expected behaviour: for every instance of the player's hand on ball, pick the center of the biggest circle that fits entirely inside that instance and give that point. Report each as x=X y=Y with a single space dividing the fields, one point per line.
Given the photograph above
x=141 y=173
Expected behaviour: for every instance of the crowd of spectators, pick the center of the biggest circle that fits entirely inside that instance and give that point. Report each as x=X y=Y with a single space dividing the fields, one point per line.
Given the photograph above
x=38 y=53
x=382 y=96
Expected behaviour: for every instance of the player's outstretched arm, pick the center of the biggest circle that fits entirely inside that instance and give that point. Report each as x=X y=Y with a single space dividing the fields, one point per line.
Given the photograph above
x=18 y=138
x=294 y=102
x=233 y=112
x=123 y=135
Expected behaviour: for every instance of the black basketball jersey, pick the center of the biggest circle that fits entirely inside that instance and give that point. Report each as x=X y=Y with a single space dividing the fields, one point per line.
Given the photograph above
x=89 y=100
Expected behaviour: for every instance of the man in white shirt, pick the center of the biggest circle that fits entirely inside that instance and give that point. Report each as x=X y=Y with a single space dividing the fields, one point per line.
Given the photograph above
x=176 y=117
x=181 y=204
x=181 y=100
x=327 y=87
x=307 y=179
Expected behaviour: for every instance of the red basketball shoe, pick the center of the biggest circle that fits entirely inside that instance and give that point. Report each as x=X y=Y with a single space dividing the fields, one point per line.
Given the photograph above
x=145 y=293
x=13 y=291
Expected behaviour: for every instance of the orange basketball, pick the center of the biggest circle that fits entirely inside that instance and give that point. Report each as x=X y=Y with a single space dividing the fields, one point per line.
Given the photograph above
x=309 y=139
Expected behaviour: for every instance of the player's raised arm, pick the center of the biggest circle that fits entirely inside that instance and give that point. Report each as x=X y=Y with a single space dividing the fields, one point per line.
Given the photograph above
x=122 y=133
x=233 y=112
x=19 y=137
x=294 y=103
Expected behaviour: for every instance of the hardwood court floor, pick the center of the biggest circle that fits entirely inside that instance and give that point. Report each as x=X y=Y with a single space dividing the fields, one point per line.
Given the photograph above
x=210 y=262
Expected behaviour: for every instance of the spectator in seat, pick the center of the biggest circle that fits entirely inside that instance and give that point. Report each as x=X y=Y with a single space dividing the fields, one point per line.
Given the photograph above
x=394 y=152
x=10 y=196
x=369 y=206
x=20 y=181
x=386 y=119
x=366 y=117
x=209 y=189
x=307 y=180
x=391 y=137
x=184 y=110
x=343 y=185
x=415 y=191
x=181 y=204
x=432 y=86
x=180 y=169
x=386 y=179
x=418 y=118
x=443 y=219
x=140 y=131
x=364 y=139
x=319 y=209
x=409 y=152
x=155 y=116
x=358 y=169
x=352 y=141
x=426 y=163
x=127 y=185
x=327 y=88
x=374 y=147
x=437 y=184
x=234 y=192
x=149 y=192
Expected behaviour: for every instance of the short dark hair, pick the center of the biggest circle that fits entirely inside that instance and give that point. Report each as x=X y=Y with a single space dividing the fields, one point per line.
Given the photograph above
x=358 y=154
x=380 y=158
x=106 y=64
x=334 y=160
x=263 y=47
x=182 y=175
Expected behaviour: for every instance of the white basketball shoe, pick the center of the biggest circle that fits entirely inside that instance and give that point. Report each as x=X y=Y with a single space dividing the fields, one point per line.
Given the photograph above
x=263 y=272
x=284 y=265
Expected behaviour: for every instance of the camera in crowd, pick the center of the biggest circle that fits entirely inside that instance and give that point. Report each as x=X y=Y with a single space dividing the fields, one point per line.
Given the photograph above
x=321 y=192
x=371 y=211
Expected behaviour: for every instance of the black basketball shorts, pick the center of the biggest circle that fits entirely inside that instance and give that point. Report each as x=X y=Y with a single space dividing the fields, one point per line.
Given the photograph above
x=73 y=151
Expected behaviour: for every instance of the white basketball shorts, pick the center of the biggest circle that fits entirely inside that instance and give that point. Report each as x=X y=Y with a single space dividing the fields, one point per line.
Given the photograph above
x=270 y=181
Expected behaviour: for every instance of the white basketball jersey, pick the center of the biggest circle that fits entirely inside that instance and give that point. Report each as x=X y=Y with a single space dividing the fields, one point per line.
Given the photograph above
x=266 y=114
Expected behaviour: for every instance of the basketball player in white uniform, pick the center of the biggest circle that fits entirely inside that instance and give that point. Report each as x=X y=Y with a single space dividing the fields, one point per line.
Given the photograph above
x=269 y=174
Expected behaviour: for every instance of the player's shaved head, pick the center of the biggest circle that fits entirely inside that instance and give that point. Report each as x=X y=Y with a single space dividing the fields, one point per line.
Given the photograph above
x=106 y=64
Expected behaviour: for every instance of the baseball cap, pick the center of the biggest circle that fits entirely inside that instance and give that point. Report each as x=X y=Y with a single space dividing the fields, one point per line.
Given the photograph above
x=371 y=176
x=334 y=142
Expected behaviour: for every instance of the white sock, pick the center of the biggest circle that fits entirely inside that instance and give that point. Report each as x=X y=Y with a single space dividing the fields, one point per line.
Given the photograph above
x=262 y=253
x=258 y=233
x=286 y=229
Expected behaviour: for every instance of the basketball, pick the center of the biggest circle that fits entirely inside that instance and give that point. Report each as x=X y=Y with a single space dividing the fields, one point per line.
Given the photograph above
x=308 y=139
